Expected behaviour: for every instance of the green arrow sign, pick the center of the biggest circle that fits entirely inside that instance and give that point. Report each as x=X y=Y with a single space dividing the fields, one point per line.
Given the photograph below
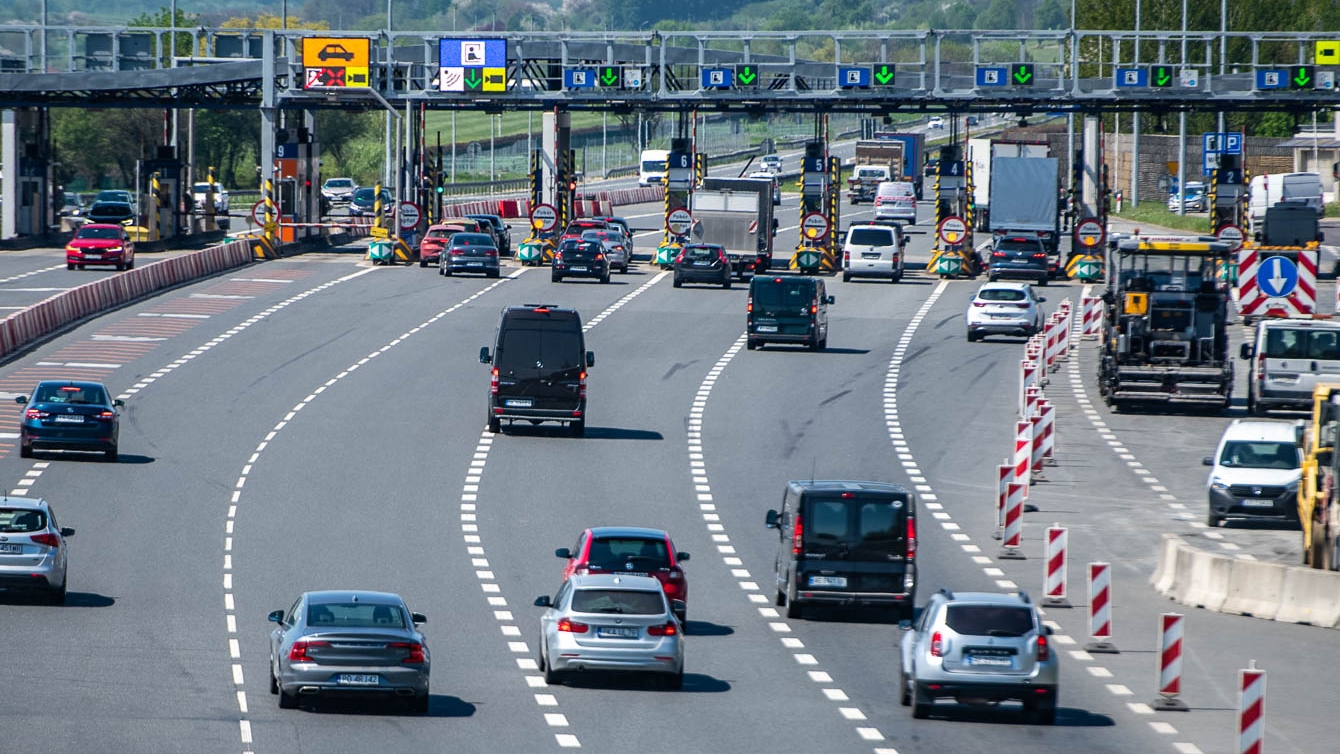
x=1300 y=77
x=1021 y=74
x=474 y=78
x=884 y=76
x=745 y=75
x=1087 y=269
x=609 y=76
x=1160 y=76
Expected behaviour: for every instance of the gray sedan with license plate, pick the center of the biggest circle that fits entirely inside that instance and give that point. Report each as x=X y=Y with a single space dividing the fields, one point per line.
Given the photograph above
x=339 y=643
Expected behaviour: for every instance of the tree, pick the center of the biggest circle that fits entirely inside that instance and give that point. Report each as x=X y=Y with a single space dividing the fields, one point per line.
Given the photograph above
x=998 y=15
x=1050 y=14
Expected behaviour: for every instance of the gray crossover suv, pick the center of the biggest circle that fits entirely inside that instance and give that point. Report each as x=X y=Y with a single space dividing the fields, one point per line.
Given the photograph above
x=979 y=648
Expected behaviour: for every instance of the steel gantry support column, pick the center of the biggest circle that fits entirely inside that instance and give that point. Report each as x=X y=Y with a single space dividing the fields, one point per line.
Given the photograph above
x=9 y=166
x=1093 y=157
x=268 y=123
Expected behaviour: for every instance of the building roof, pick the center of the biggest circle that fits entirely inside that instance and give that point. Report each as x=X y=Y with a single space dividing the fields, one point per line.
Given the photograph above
x=1321 y=142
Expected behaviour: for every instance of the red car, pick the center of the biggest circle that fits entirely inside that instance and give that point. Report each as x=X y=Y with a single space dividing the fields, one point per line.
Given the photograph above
x=100 y=243
x=577 y=227
x=435 y=240
x=632 y=551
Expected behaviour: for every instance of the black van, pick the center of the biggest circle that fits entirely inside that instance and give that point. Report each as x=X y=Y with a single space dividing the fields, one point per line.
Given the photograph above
x=539 y=363
x=788 y=309
x=845 y=543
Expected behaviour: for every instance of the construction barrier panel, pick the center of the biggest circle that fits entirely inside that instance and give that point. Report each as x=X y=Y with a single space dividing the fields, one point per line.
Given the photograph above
x=1251 y=710
x=1171 y=630
x=1100 y=608
x=1023 y=454
x=1054 y=568
x=1093 y=318
x=1004 y=476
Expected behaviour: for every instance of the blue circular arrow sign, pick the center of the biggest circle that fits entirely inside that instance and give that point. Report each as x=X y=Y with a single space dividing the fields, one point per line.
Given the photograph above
x=1277 y=277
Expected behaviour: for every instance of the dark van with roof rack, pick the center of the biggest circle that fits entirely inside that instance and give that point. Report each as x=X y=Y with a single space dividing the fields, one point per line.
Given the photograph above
x=539 y=360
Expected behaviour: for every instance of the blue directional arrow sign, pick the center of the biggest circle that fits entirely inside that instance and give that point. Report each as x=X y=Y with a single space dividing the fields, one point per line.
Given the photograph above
x=1277 y=277
x=854 y=78
x=717 y=78
x=1275 y=78
x=1133 y=77
x=993 y=76
x=579 y=78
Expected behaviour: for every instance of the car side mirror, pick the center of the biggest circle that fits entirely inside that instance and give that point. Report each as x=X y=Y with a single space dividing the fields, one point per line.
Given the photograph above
x=681 y=556
x=543 y=601
x=276 y=616
x=563 y=552
x=1042 y=299
x=1207 y=461
x=1245 y=351
x=679 y=606
x=1048 y=630
x=590 y=358
x=418 y=618
x=830 y=300
x=21 y=400
x=484 y=356
x=118 y=402
x=772 y=520
x=905 y=624
x=66 y=531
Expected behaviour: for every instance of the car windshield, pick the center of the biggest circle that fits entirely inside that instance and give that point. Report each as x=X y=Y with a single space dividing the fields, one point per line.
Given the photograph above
x=355 y=615
x=111 y=196
x=531 y=346
x=989 y=620
x=870 y=173
x=653 y=166
x=87 y=232
x=367 y=195
x=87 y=394
x=340 y=183
x=1030 y=247
x=22 y=520
x=615 y=554
x=621 y=601
x=1263 y=454
x=201 y=188
x=598 y=235
x=441 y=233
x=870 y=237
x=1284 y=343
x=873 y=520
x=471 y=239
x=1000 y=294
x=786 y=294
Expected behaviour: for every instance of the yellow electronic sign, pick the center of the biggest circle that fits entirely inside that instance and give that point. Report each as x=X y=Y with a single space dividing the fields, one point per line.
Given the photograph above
x=336 y=62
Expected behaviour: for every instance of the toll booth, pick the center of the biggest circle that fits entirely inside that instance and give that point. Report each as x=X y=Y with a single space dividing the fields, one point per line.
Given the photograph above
x=680 y=177
x=161 y=211
x=953 y=254
x=29 y=207
x=298 y=195
x=819 y=189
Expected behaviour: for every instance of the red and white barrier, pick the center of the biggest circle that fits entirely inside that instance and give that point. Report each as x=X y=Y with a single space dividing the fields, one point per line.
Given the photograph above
x=1048 y=413
x=1063 y=319
x=1170 y=662
x=1004 y=476
x=1014 y=523
x=1032 y=396
x=1035 y=456
x=1023 y=454
x=1054 y=570
x=1251 y=709
x=1028 y=377
x=1100 y=608
x=1093 y=318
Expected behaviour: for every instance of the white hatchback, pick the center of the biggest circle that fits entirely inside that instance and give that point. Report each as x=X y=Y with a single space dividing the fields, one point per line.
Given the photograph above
x=1004 y=309
x=873 y=251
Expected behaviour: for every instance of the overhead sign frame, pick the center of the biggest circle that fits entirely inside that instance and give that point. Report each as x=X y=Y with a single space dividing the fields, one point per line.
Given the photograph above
x=472 y=66
x=336 y=62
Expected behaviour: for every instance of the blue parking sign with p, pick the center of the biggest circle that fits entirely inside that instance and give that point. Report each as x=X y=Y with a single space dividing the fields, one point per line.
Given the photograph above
x=1232 y=143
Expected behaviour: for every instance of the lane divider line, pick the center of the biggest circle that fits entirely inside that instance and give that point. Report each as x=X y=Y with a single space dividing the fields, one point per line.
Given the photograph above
x=488 y=583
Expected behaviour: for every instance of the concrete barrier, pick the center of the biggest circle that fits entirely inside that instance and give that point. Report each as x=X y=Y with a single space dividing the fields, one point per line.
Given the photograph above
x=1273 y=591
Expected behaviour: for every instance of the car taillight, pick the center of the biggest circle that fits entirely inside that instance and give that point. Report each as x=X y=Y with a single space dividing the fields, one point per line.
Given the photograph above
x=814 y=306
x=457 y=252
x=569 y=626
x=749 y=307
x=105 y=416
x=937 y=645
x=998 y=254
x=911 y=537
x=414 y=651
x=846 y=256
x=671 y=589
x=581 y=387
x=669 y=629
x=1260 y=372
x=600 y=256
x=879 y=200
x=1040 y=255
x=1023 y=306
x=33 y=413
x=558 y=256
x=491 y=253
x=1044 y=649
x=680 y=259
x=798 y=536
x=298 y=652
x=724 y=259
x=46 y=538
x=493 y=382
x=979 y=303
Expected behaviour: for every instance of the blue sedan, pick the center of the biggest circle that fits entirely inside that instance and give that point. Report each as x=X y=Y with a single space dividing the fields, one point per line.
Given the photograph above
x=69 y=415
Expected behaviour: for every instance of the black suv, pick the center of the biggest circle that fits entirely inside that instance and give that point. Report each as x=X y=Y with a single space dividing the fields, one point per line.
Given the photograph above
x=501 y=237
x=787 y=309
x=539 y=363
x=580 y=258
x=1019 y=256
x=845 y=543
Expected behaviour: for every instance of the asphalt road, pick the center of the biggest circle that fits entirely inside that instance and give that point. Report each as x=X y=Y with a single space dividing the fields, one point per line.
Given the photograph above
x=323 y=426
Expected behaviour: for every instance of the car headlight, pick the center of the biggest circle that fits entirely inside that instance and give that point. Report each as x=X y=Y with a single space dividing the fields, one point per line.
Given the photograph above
x=1293 y=486
x=1218 y=485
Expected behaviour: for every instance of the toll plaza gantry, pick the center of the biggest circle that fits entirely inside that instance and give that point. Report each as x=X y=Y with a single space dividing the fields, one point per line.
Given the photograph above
x=873 y=72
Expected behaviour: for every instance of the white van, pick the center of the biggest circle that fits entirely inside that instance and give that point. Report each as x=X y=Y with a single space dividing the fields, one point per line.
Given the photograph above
x=1268 y=190
x=896 y=201
x=1288 y=358
x=873 y=251
x=651 y=168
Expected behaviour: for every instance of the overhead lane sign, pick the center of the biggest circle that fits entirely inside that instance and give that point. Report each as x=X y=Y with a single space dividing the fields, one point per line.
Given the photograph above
x=579 y=78
x=993 y=76
x=853 y=78
x=1132 y=77
x=1160 y=76
x=472 y=65
x=335 y=62
x=1021 y=74
x=746 y=76
x=717 y=78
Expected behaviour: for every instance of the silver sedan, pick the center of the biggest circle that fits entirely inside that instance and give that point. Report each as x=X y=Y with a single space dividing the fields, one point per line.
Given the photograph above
x=611 y=623
x=349 y=642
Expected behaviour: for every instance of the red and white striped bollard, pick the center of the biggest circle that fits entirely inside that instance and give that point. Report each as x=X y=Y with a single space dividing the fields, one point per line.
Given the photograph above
x=1100 y=609
x=1023 y=454
x=1035 y=456
x=1251 y=709
x=1014 y=524
x=1054 y=569
x=1170 y=663
x=1048 y=413
x=1004 y=475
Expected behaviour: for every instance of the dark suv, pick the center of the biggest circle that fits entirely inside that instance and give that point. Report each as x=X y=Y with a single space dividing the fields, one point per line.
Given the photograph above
x=581 y=258
x=787 y=310
x=845 y=543
x=1019 y=256
x=502 y=238
x=539 y=363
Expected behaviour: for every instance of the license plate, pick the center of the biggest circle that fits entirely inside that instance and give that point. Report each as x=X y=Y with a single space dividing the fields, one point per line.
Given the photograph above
x=994 y=662
x=702 y=264
x=518 y=402
x=767 y=328
x=837 y=581
x=579 y=269
x=999 y=316
x=351 y=679
x=869 y=255
x=92 y=256
x=11 y=549
x=610 y=632
x=69 y=419
x=1258 y=503
x=474 y=264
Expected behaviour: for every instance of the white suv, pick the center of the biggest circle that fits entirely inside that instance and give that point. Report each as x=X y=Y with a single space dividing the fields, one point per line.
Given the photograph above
x=1255 y=472
x=873 y=251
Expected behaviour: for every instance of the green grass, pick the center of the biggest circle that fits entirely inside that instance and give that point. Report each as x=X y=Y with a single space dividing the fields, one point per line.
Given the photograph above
x=1157 y=214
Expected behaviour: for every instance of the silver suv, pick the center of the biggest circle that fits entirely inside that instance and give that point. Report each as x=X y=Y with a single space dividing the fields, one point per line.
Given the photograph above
x=32 y=549
x=979 y=648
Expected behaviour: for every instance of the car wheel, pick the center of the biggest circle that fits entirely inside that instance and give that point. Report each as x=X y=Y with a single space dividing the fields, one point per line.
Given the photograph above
x=423 y=263
x=555 y=278
x=446 y=271
x=418 y=704
x=1042 y=711
x=578 y=428
x=846 y=276
x=972 y=337
x=56 y=596
x=905 y=690
x=674 y=681
x=1213 y=521
x=25 y=451
x=130 y=265
x=110 y=455
x=991 y=278
x=81 y=266
x=494 y=273
x=678 y=283
x=1042 y=281
x=793 y=608
x=551 y=676
x=726 y=284
x=69 y=265
x=683 y=617
x=287 y=700
x=920 y=709
x=274 y=682
x=495 y=425
x=751 y=344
